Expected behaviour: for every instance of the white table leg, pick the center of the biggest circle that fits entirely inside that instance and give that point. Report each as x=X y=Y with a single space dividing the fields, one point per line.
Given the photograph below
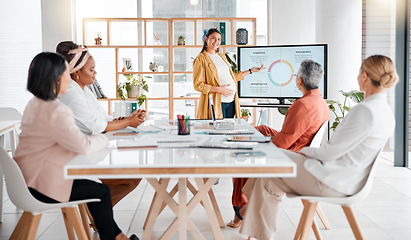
x=203 y=189
x=13 y=142
x=156 y=205
x=2 y=143
x=182 y=208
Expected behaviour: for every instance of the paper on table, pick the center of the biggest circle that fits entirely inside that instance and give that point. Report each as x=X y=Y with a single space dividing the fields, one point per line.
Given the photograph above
x=212 y=143
x=136 y=143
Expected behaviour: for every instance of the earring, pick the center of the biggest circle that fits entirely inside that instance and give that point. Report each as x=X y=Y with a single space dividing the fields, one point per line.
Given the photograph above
x=76 y=77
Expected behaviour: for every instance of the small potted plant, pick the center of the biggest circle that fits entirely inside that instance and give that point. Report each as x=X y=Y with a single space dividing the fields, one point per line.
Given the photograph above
x=133 y=88
x=181 y=41
x=245 y=113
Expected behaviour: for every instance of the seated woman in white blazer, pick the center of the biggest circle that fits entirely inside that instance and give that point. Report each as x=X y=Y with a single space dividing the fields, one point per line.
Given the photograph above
x=50 y=138
x=337 y=168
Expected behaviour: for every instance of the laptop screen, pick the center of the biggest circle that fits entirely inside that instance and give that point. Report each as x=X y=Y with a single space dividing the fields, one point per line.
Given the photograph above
x=210 y=97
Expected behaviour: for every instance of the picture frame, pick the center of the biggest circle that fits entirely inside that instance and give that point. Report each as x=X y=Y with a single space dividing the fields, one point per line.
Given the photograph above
x=128 y=66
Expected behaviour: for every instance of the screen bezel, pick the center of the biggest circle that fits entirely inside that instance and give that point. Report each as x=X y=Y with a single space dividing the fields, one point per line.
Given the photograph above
x=281 y=98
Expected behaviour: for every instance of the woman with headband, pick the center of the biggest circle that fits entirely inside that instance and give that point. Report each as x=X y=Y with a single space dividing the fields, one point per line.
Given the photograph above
x=89 y=115
x=50 y=138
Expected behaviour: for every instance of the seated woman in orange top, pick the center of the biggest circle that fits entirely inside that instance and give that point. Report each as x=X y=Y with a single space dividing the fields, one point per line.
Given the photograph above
x=302 y=121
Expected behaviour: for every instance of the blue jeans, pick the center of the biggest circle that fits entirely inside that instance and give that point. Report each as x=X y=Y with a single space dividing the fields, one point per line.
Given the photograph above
x=228 y=109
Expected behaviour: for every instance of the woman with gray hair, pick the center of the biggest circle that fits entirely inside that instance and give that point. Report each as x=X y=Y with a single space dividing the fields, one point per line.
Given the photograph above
x=302 y=121
x=339 y=167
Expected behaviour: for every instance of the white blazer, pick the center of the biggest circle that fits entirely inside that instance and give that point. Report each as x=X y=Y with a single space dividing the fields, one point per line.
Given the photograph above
x=344 y=162
x=88 y=113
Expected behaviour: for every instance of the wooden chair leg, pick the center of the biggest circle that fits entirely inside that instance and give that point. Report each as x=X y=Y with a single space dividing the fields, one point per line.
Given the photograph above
x=20 y=232
x=316 y=230
x=322 y=217
x=306 y=220
x=85 y=219
x=75 y=220
x=69 y=226
x=354 y=224
x=314 y=226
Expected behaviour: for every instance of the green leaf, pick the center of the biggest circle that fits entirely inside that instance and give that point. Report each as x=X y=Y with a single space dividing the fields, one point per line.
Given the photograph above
x=346 y=108
x=283 y=111
x=332 y=108
x=141 y=99
x=335 y=124
x=356 y=96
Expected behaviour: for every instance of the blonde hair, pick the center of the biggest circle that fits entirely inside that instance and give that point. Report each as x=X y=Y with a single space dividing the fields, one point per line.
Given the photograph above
x=381 y=70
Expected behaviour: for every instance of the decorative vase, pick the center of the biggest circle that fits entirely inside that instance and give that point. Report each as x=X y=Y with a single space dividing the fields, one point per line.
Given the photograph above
x=153 y=66
x=245 y=118
x=241 y=36
x=134 y=91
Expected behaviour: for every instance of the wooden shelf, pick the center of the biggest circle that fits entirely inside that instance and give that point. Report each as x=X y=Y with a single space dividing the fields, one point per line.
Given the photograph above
x=145 y=32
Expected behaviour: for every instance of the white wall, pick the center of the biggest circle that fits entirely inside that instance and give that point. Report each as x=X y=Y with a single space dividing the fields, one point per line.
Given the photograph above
x=335 y=22
x=339 y=24
x=20 y=41
x=292 y=22
x=56 y=20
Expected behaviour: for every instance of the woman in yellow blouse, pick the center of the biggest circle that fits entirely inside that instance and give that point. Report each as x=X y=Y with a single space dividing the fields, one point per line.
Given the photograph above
x=212 y=74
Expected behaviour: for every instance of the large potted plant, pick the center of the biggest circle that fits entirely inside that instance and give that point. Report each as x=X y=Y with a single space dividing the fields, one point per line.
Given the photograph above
x=133 y=88
x=338 y=109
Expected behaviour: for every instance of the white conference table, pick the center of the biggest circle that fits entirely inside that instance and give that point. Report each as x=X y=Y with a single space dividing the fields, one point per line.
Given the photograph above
x=7 y=127
x=158 y=165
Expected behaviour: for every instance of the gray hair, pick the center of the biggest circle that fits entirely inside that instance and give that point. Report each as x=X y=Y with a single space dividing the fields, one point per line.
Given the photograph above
x=311 y=73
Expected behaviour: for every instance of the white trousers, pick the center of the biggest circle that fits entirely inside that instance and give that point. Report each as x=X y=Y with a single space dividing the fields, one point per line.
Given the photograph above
x=265 y=194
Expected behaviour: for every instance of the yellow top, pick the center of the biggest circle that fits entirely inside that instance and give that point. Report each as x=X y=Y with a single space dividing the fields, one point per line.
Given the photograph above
x=204 y=76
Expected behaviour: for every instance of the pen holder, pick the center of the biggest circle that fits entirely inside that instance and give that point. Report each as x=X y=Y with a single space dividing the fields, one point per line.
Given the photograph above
x=183 y=127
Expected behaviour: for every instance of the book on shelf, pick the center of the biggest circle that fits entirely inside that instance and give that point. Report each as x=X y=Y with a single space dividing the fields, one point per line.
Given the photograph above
x=222 y=30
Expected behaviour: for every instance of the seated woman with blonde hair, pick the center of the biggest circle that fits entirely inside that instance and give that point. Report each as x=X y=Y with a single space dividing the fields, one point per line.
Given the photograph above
x=50 y=138
x=338 y=168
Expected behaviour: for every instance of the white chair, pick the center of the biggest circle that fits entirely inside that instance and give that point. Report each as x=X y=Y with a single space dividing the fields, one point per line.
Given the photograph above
x=316 y=142
x=318 y=138
x=21 y=197
x=10 y=114
x=346 y=203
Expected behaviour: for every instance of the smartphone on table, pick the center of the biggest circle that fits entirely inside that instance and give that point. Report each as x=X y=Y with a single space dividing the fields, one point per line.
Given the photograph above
x=248 y=153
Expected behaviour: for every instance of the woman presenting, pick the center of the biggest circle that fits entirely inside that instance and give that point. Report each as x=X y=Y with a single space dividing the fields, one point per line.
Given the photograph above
x=212 y=74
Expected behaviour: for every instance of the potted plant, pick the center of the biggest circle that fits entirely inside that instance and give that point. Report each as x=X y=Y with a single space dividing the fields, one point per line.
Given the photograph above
x=340 y=110
x=245 y=113
x=232 y=59
x=133 y=88
x=181 y=41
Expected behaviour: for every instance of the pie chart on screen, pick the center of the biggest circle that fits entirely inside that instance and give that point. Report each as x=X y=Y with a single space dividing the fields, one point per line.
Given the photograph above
x=281 y=73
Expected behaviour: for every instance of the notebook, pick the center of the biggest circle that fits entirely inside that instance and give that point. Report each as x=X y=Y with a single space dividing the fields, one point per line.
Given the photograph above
x=221 y=123
x=228 y=132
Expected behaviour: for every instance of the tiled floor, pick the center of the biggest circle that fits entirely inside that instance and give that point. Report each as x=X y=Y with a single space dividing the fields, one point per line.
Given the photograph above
x=386 y=213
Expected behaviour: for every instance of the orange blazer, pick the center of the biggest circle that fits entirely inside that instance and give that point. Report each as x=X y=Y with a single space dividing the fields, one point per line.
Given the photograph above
x=204 y=76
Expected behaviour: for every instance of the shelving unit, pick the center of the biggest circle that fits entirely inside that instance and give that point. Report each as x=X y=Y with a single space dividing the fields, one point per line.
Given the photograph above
x=140 y=45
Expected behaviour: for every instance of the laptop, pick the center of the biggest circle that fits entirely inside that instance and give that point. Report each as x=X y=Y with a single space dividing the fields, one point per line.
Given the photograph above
x=220 y=124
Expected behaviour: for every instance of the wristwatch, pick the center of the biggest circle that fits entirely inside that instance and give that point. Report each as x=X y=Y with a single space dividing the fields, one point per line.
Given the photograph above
x=250 y=71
